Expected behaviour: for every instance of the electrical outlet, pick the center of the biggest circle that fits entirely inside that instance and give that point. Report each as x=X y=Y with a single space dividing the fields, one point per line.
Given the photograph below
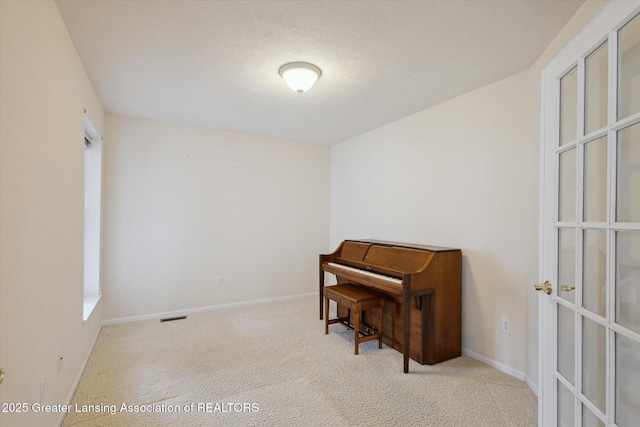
x=506 y=326
x=220 y=281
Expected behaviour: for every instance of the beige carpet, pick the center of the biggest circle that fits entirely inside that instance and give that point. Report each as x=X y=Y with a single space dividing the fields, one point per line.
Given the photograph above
x=271 y=364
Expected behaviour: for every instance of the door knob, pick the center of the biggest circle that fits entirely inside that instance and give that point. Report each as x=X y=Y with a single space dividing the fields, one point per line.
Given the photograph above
x=566 y=288
x=545 y=287
x=1 y=375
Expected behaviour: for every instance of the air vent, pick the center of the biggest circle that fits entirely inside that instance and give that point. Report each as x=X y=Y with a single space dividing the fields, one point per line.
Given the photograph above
x=171 y=319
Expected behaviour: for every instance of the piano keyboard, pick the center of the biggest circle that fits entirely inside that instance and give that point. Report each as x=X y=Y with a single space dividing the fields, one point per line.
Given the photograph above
x=367 y=273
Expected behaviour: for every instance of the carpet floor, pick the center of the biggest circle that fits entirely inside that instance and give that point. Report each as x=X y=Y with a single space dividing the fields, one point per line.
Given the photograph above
x=270 y=364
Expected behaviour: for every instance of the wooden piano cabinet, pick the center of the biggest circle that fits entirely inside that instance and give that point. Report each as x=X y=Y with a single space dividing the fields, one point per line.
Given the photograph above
x=422 y=314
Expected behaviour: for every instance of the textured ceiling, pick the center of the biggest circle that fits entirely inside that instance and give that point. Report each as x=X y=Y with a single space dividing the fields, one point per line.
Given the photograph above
x=215 y=63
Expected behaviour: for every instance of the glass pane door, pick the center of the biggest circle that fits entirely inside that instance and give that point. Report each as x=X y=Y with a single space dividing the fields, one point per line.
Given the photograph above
x=595 y=232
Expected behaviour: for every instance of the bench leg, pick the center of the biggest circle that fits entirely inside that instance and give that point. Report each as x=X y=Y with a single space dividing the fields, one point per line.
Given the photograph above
x=326 y=315
x=356 y=328
x=381 y=308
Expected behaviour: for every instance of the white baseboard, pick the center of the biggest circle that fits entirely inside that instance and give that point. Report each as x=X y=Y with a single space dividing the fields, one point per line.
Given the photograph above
x=533 y=387
x=499 y=366
x=79 y=376
x=503 y=368
x=199 y=309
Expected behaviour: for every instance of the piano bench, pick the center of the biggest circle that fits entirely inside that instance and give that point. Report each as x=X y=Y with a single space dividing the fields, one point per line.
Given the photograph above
x=356 y=300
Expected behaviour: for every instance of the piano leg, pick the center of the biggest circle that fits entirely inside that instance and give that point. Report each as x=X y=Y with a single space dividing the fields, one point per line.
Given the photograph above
x=321 y=282
x=406 y=327
x=321 y=292
x=326 y=321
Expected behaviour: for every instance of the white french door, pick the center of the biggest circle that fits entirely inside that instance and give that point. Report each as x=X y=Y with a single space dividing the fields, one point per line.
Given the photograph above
x=590 y=312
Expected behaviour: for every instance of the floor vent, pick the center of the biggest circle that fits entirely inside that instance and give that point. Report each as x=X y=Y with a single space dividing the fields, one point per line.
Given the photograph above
x=169 y=319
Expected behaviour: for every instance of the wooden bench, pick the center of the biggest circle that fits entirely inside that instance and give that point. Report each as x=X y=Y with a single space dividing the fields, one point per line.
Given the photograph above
x=356 y=300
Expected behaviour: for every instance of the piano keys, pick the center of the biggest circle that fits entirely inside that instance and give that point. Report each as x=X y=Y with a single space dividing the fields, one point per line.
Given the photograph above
x=422 y=286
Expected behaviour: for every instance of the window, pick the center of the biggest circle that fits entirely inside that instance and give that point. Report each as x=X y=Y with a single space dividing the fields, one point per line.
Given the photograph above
x=92 y=210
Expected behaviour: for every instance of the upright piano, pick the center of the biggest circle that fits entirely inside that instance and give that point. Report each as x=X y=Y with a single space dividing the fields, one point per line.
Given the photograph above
x=422 y=286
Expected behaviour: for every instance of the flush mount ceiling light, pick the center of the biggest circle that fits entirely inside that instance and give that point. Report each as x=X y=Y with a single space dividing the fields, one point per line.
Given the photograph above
x=300 y=76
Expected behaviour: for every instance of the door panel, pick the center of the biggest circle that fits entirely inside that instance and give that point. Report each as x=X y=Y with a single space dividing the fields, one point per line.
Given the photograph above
x=594 y=271
x=567 y=192
x=595 y=180
x=589 y=419
x=565 y=406
x=566 y=264
x=628 y=280
x=568 y=106
x=594 y=349
x=566 y=340
x=596 y=93
x=629 y=80
x=590 y=321
x=628 y=177
x=627 y=380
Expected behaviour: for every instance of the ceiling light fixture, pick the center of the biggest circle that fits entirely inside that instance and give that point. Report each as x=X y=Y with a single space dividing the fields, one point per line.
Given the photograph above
x=300 y=76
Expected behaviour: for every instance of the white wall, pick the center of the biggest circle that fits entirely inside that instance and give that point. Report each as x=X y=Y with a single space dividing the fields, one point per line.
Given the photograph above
x=184 y=205
x=463 y=174
x=43 y=91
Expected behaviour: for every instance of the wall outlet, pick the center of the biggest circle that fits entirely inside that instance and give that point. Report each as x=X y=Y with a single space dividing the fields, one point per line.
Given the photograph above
x=506 y=326
x=220 y=281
